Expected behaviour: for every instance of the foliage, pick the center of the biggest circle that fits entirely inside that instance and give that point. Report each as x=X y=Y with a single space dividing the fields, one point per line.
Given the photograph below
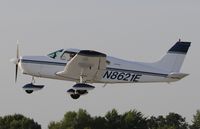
x=73 y=120
x=171 y=121
x=128 y=120
x=112 y=120
x=196 y=121
x=17 y=122
x=132 y=119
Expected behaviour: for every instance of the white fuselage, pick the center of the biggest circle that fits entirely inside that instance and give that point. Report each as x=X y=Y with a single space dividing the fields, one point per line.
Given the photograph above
x=117 y=71
x=88 y=66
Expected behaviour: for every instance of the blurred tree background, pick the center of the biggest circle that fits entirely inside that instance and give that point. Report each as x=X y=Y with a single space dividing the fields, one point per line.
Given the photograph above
x=132 y=119
x=81 y=119
x=18 y=121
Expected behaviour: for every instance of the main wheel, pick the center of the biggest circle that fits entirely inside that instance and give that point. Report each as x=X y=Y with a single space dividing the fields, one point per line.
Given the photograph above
x=29 y=91
x=75 y=96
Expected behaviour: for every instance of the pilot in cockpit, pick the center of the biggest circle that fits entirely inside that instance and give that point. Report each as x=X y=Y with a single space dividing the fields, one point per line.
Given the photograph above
x=71 y=55
x=67 y=56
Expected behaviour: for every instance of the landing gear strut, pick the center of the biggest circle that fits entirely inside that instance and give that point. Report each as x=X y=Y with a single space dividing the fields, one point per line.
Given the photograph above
x=29 y=91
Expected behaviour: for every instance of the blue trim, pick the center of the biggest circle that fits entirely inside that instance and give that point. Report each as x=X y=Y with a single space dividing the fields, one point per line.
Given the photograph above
x=108 y=68
x=43 y=62
x=91 y=53
x=180 y=47
x=135 y=71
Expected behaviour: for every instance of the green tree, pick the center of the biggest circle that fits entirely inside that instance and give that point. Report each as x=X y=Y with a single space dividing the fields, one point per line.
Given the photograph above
x=152 y=123
x=54 y=125
x=161 y=122
x=129 y=120
x=133 y=120
x=83 y=120
x=73 y=120
x=18 y=122
x=176 y=121
x=69 y=120
x=99 y=123
x=113 y=120
x=196 y=121
x=171 y=121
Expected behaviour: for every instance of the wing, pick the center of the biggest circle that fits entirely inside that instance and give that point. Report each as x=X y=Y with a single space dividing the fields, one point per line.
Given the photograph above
x=87 y=65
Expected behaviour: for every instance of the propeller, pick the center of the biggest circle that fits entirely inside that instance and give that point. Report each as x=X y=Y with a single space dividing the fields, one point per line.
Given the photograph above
x=16 y=61
x=17 y=64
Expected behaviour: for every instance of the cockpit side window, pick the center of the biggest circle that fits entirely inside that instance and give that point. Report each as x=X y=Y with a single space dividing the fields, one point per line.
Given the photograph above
x=55 y=54
x=68 y=55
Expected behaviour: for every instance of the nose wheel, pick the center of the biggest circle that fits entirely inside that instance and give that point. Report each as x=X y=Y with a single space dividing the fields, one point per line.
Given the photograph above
x=29 y=91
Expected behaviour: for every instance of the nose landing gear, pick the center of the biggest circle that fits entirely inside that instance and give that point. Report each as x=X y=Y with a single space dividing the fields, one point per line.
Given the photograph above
x=31 y=87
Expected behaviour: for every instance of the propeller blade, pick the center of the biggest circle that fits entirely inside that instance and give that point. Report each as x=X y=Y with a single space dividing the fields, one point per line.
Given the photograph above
x=17 y=61
x=17 y=54
x=16 y=72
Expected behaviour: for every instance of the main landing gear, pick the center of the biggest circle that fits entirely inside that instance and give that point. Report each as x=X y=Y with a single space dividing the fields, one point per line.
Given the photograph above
x=79 y=89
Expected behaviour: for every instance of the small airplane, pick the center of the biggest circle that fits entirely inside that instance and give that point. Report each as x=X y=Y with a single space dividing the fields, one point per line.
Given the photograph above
x=85 y=67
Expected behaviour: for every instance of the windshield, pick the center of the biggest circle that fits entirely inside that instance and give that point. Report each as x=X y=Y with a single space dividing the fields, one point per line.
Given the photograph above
x=55 y=54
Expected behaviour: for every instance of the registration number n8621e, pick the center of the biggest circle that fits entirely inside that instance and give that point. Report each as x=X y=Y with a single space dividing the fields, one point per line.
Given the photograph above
x=122 y=76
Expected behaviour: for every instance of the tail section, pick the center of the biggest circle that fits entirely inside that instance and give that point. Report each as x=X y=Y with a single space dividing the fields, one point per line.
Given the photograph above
x=174 y=58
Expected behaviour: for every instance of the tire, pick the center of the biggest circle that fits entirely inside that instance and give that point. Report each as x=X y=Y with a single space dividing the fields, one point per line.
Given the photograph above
x=75 y=96
x=29 y=91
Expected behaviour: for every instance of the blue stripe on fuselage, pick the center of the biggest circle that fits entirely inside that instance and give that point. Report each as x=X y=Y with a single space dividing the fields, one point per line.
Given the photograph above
x=108 y=68
x=43 y=62
x=136 y=71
